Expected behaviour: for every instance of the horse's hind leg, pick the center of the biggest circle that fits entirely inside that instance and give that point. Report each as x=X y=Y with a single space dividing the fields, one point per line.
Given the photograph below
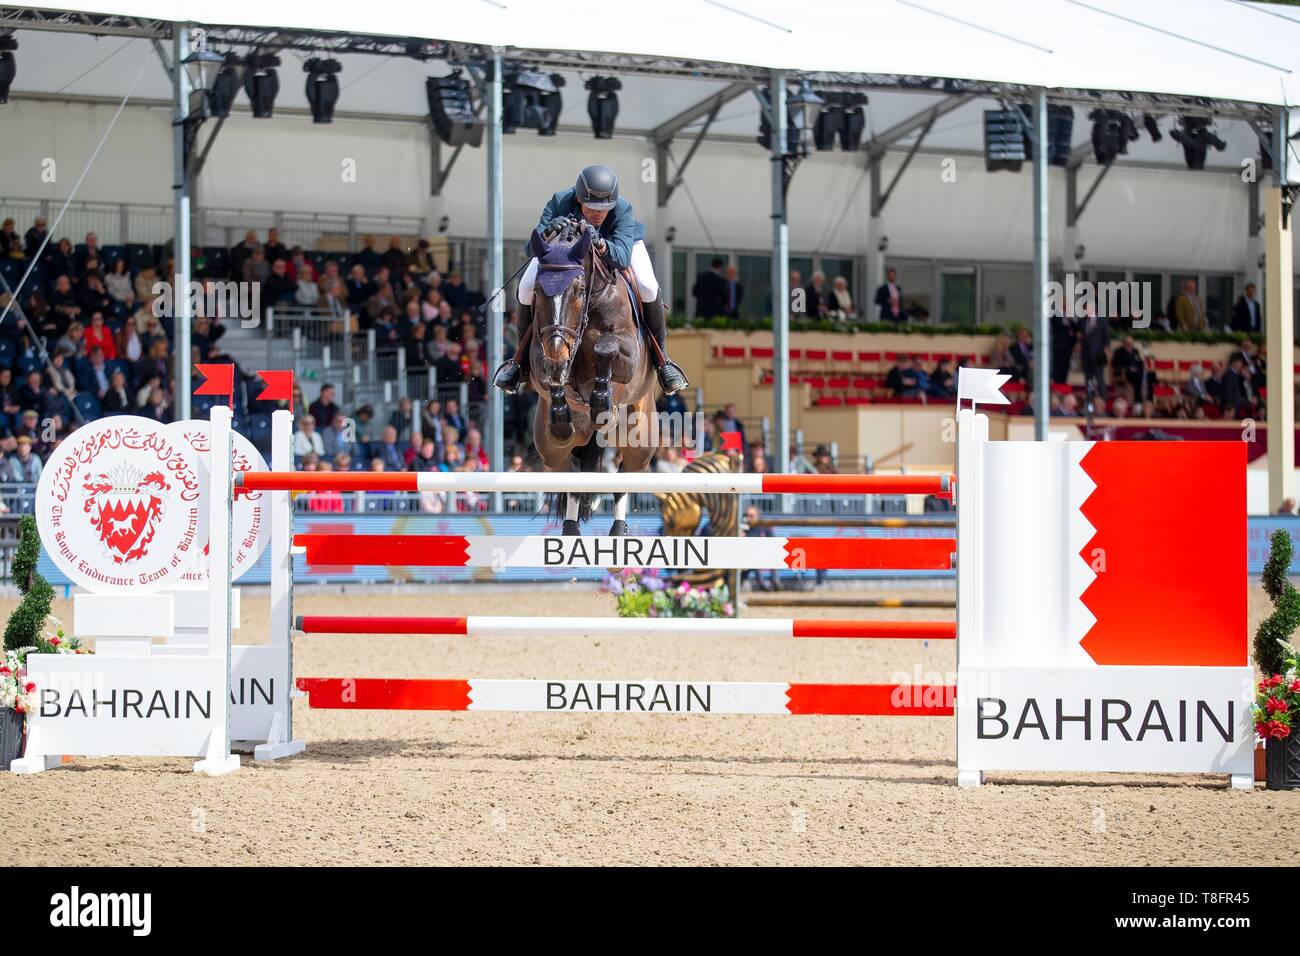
x=571 y=506
x=619 y=527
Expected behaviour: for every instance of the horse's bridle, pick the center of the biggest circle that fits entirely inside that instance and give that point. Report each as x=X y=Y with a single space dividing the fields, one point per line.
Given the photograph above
x=573 y=336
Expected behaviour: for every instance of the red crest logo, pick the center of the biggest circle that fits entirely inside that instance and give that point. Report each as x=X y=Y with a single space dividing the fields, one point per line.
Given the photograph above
x=125 y=506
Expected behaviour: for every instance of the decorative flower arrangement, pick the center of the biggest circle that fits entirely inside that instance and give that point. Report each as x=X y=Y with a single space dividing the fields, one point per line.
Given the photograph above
x=1277 y=701
x=16 y=691
x=645 y=594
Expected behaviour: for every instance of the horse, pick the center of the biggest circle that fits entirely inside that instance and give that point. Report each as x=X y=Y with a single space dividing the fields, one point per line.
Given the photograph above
x=590 y=367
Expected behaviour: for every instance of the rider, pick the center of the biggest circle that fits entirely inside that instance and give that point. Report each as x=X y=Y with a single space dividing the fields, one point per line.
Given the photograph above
x=619 y=239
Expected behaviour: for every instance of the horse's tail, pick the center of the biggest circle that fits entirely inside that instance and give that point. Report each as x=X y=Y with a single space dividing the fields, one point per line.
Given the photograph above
x=587 y=458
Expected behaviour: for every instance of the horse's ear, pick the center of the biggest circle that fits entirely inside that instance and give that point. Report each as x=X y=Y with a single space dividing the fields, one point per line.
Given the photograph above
x=582 y=247
x=537 y=245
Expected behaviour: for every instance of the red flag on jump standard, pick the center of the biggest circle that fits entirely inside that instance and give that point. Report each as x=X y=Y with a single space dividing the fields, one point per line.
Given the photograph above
x=279 y=386
x=731 y=440
x=219 y=379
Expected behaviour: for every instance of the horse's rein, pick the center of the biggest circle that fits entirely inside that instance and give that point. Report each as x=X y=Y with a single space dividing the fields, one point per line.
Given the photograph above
x=575 y=336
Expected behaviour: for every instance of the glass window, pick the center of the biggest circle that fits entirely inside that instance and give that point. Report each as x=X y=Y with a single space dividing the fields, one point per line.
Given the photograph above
x=1008 y=296
x=680 y=285
x=958 y=298
x=1152 y=291
x=918 y=286
x=756 y=279
x=1218 y=301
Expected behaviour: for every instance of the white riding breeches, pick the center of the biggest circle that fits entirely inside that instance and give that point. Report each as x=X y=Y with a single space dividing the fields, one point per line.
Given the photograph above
x=647 y=284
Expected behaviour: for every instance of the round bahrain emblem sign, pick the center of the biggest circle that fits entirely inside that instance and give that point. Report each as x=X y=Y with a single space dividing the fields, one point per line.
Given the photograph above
x=249 y=515
x=120 y=506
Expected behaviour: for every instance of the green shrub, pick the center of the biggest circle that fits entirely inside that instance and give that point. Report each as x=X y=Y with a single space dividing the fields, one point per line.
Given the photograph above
x=26 y=626
x=1271 y=640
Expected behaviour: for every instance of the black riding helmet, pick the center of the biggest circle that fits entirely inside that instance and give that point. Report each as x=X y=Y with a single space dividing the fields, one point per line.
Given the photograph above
x=597 y=187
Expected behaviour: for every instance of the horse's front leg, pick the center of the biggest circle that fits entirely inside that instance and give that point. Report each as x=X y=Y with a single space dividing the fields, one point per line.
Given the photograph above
x=561 y=417
x=603 y=354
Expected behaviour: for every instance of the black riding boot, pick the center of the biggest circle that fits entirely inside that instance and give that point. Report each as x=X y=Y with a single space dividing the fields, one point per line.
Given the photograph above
x=513 y=371
x=671 y=378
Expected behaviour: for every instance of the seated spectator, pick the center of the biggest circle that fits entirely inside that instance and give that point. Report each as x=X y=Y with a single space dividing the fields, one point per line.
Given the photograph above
x=452 y=417
x=1195 y=394
x=904 y=379
x=763 y=580
x=1235 y=396
x=429 y=304
x=94 y=297
x=387 y=451
x=62 y=260
x=144 y=283
x=24 y=466
x=758 y=460
x=416 y=354
x=943 y=384
x=8 y=393
x=307 y=440
x=277 y=287
x=11 y=244
x=336 y=437
x=93 y=377
x=116 y=400
x=118 y=283
x=157 y=406
x=427 y=457
x=35 y=237
x=60 y=377
x=431 y=417
x=1000 y=356
x=1069 y=406
x=437 y=345
x=100 y=336
x=342 y=461
x=420 y=261
x=452 y=458
x=255 y=268
x=448 y=368
x=72 y=343
x=669 y=461
x=454 y=292
x=359 y=287
x=474 y=450
x=413 y=447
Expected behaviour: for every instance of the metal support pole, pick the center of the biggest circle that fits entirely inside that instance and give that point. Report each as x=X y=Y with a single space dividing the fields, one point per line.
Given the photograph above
x=1042 y=321
x=181 y=233
x=780 y=282
x=495 y=434
x=1279 y=322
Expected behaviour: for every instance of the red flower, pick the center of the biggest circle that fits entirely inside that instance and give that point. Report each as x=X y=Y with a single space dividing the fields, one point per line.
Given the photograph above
x=55 y=641
x=1295 y=687
x=1278 y=729
x=1274 y=706
x=18 y=706
x=1274 y=680
x=29 y=686
x=4 y=669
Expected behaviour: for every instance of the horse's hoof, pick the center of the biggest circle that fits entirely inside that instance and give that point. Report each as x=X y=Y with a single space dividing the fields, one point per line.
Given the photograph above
x=618 y=529
x=571 y=529
x=561 y=432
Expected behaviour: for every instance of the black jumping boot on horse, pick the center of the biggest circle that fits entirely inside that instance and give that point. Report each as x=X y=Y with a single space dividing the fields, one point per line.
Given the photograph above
x=671 y=378
x=512 y=373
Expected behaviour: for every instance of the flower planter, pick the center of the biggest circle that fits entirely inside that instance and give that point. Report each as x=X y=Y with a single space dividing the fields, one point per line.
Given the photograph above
x=11 y=735
x=1283 y=760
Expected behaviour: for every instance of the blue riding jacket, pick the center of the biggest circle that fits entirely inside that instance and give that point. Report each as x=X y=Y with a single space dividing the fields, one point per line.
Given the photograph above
x=619 y=230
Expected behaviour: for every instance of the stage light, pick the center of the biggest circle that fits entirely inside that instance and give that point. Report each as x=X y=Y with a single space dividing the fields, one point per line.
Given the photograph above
x=8 y=65
x=1153 y=129
x=1196 y=137
x=1112 y=131
x=322 y=88
x=602 y=104
x=452 y=111
x=842 y=118
x=531 y=100
x=225 y=86
x=261 y=83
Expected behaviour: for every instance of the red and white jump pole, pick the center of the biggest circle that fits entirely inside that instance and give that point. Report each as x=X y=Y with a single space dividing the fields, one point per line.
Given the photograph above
x=597 y=483
x=485 y=626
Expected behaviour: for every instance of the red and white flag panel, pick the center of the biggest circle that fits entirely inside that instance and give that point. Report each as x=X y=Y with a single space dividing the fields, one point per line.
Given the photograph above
x=629 y=696
x=541 y=551
x=1111 y=553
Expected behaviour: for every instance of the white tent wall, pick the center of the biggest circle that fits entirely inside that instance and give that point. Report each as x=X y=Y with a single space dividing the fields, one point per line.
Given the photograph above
x=1139 y=217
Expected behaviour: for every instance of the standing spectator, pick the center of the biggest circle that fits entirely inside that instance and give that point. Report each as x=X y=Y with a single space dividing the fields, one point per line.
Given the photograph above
x=324 y=408
x=395 y=257
x=1127 y=368
x=889 y=298
x=708 y=291
x=1094 y=340
x=1246 y=314
x=1065 y=336
x=1022 y=356
x=368 y=258
x=763 y=580
x=402 y=420
x=241 y=252
x=274 y=250
x=798 y=307
x=732 y=293
x=839 y=303
x=815 y=296
x=1234 y=390
x=1189 y=309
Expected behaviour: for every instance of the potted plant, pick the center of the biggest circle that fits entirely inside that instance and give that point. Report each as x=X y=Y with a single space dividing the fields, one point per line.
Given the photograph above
x=30 y=629
x=1278 y=693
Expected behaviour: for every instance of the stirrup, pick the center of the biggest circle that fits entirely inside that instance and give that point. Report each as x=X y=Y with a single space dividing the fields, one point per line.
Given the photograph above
x=671 y=378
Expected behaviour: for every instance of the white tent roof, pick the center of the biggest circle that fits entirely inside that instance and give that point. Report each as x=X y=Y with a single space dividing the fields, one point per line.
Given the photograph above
x=1219 y=49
